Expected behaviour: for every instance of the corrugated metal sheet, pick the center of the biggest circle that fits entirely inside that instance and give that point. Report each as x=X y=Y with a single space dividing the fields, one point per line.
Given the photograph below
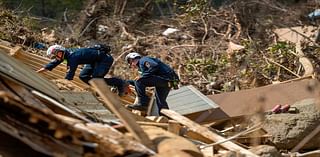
x=187 y=100
x=86 y=101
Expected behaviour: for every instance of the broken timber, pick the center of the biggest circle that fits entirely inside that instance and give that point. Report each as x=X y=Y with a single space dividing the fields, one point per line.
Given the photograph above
x=166 y=141
x=205 y=132
x=50 y=134
x=115 y=106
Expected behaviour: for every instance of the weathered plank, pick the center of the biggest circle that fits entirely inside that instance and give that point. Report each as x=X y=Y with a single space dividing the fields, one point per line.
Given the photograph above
x=151 y=103
x=24 y=94
x=55 y=135
x=174 y=127
x=166 y=141
x=114 y=104
x=206 y=132
x=13 y=147
x=57 y=104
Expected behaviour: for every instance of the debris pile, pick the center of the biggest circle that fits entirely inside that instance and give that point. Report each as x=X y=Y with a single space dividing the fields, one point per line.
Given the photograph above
x=52 y=122
x=248 y=73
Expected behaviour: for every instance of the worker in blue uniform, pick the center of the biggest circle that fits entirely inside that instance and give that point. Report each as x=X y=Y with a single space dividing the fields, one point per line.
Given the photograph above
x=154 y=73
x=97 y=63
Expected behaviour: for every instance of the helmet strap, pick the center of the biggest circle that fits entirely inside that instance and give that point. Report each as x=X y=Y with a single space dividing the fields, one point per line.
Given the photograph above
x=134 y=62
x=60 y=55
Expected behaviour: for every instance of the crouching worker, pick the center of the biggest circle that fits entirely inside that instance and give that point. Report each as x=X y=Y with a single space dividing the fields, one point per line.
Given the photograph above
x=96 y=61
x=154 y=73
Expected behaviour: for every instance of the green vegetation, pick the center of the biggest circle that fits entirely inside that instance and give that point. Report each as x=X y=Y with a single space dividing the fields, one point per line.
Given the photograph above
x=45 y=8
x=249 y=63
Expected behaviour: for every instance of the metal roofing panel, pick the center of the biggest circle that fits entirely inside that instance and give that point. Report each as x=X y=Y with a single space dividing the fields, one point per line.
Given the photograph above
x=87 y=102
x=187 y=100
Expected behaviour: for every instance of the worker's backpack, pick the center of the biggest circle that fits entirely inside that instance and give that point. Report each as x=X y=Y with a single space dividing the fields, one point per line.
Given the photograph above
x=102 y=47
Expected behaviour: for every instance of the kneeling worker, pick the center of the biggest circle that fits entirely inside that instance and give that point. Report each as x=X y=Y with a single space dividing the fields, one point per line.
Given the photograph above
x=96 y=62
x=154 y=73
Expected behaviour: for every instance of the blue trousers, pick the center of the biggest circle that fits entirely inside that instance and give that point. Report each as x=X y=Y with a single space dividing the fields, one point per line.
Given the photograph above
x=85 y=76
x=97 y=69
x=116 y=82
x=161 y=90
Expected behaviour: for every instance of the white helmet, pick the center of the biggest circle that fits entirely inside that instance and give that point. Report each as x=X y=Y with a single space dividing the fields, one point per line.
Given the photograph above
x=132 y=55
x=52 y=50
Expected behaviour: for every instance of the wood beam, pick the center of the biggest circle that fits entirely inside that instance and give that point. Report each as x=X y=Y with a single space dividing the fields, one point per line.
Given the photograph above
x=112 y=102
x=206 y=132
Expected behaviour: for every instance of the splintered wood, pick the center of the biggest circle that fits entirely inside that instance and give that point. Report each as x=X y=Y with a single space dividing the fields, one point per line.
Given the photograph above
x=205 y=132
x=115 y=105
x=52 y=134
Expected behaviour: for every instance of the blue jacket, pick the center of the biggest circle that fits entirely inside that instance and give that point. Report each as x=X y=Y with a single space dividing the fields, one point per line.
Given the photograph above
x=77 y=57
x=149 y=66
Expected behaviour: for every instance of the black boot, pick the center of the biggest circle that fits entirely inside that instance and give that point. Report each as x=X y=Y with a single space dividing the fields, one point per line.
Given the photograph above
x=123 y=89
x=138 y=106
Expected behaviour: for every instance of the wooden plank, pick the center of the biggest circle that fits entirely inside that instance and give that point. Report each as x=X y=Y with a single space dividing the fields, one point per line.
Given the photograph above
x=140 y=118
x=174 y=127
x=19 y=73
x=59 y=105
x=15 y=51
x=113 y=103
x=13 y=123
x=62 y=68
x=161 y=125
x=24 y=94
x=14 y=147
x=166 y=141
x=56 y=73
x=5 y=48
x=151 y=103
x=37 y=62
x=257 y=140
x=46 y=135
x=195 y=136
x=26 y=56
x=204 y=131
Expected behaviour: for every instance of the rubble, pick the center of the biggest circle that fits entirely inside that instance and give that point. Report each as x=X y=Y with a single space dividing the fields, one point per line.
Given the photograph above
x=47 y=115
x=77 y=125
x=266 y=151
x=288 y=129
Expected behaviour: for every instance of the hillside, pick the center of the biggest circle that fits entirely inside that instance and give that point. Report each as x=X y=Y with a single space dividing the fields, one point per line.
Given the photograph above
x=198 y=50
